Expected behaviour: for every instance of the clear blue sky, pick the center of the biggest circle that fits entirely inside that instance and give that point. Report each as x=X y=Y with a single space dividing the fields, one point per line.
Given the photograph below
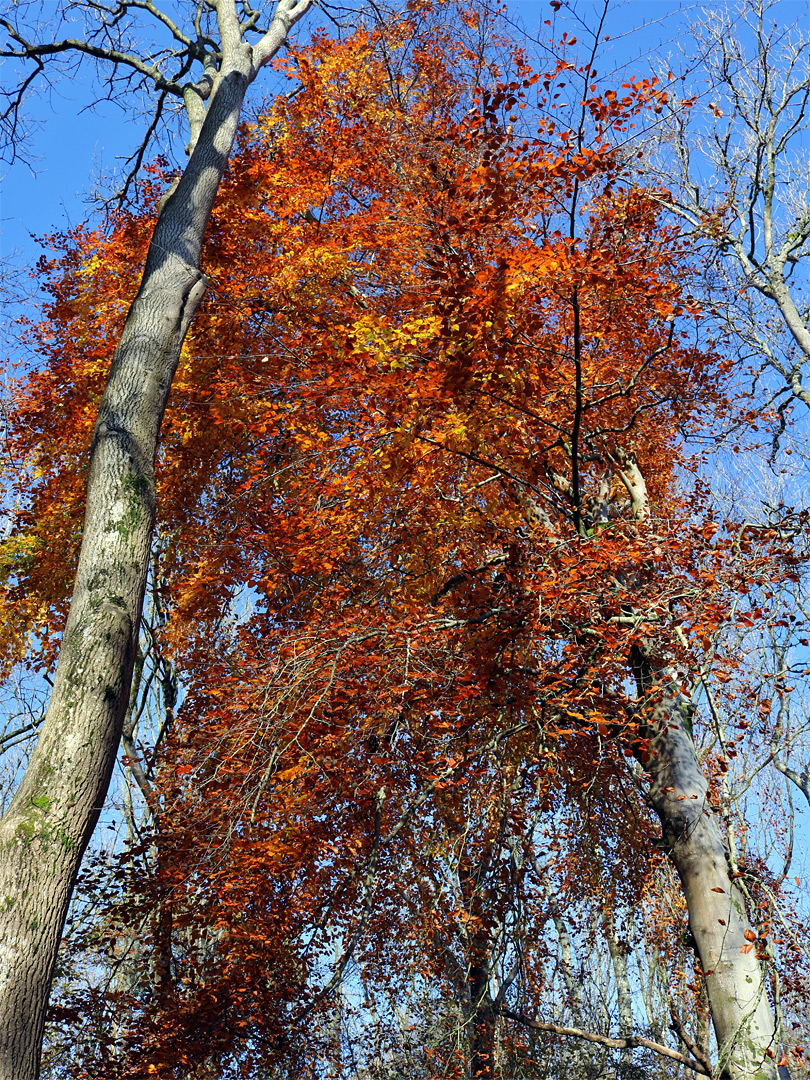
x=74 y=148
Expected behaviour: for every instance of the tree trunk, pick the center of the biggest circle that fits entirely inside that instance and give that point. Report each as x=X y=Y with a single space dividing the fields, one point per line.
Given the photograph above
x=735 y=979
x=52 y=816
x=482 y=1028
x=624 y=996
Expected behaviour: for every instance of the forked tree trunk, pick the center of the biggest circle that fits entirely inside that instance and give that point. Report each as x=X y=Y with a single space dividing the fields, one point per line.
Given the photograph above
x=735 y=978
x=51 y=818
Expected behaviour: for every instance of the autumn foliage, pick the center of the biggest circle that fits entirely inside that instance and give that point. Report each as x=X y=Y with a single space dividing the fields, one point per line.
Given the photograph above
x=402 y=556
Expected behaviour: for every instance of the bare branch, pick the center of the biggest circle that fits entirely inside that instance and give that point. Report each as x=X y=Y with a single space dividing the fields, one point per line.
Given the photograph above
x=285 y=17
x=626 y=1043
x=689 y=1043
x=754 y=212
x=29 y=51
x=137 y=158
x=162 y=17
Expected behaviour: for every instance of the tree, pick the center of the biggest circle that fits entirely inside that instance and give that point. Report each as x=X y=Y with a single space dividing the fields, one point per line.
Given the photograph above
x=740 y=184
x=46 y=828
x=436 y=424
x=755 y=220
x=441 y=447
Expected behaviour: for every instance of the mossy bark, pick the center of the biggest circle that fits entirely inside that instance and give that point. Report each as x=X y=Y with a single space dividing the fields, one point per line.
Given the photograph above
x=52 y=816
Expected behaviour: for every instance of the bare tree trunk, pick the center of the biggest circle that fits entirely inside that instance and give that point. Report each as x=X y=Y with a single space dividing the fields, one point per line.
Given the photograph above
x=573 y=985
x=624 y=997
x=51 y=818
x=482 y=1028
x=471 y=876
x=735 y=979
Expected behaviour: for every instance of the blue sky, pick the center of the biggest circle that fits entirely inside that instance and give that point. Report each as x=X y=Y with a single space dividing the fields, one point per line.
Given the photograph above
x=75 y=145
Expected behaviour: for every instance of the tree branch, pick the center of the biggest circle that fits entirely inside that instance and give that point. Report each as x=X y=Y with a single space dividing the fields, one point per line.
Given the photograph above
x=626 y=1043
x=114 y=56
x=140 y=153
x=688 y=1042
x=285 y=17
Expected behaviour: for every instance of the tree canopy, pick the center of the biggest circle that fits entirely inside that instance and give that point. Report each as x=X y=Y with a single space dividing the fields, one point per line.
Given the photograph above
x=436 y=584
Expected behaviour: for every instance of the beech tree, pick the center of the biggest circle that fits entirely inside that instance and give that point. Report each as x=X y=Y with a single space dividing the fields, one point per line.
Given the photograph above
x=208 y=66
x=432 y=420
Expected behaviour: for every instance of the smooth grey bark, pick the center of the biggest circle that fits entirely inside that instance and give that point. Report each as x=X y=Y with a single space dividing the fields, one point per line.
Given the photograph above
x=51 y=818
x=679 y=795
x=573 y=984
x=735 y=979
